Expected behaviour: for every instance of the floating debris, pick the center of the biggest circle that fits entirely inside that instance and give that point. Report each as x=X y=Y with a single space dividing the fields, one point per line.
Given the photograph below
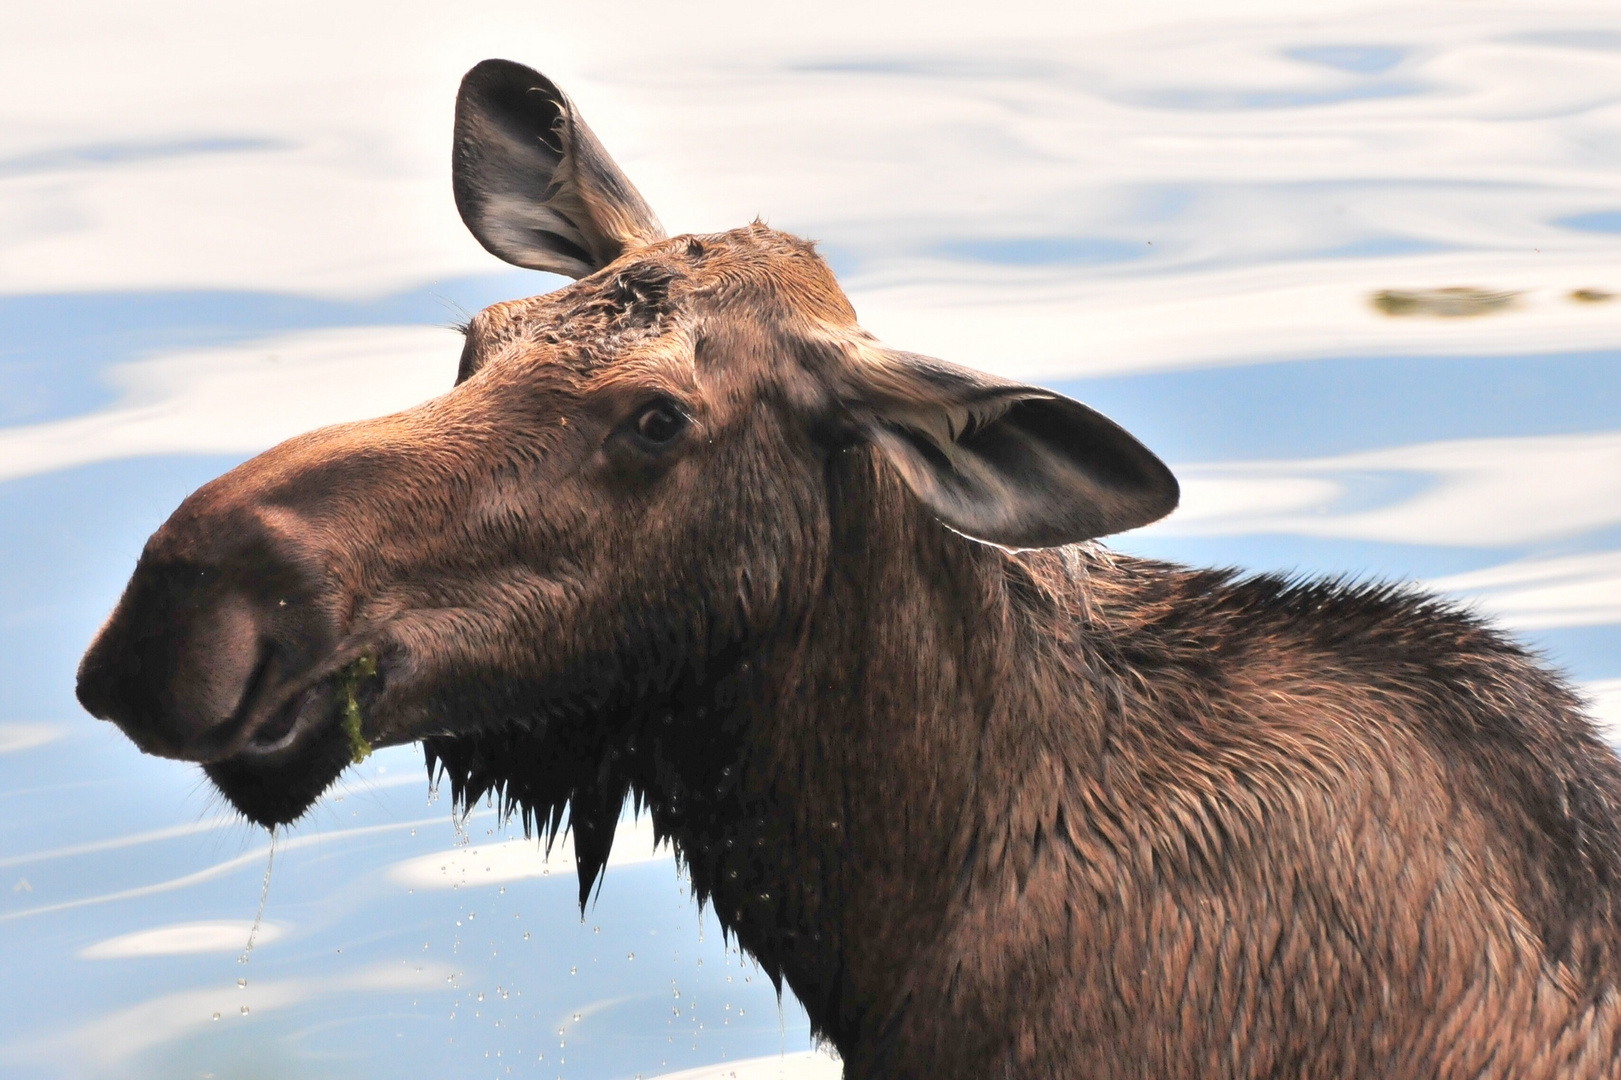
x=1453 y=302
x=1591 y=296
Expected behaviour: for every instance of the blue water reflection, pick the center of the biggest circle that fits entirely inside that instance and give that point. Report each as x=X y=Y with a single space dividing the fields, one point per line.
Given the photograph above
x=121 y=153
x=55 y=347
x=1312 y=408
x=1044 y=250
x=1202 y=99
x=1356 y=59
x=1599 y=221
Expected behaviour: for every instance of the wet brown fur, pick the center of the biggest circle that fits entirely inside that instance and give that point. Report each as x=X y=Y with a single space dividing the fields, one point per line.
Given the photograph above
x=1052 y=813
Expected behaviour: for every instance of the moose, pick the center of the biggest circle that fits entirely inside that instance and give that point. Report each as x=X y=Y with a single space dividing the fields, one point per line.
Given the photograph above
x=993 y=800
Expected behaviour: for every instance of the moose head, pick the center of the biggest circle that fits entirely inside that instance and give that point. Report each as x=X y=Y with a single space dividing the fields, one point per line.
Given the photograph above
x=632 y=488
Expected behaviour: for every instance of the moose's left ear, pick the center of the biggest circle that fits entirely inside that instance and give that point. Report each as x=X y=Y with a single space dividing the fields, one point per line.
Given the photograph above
x=531 y=181
x=999 y=461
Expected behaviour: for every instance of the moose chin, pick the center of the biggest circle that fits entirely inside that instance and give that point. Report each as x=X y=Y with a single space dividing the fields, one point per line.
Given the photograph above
x=993 y=800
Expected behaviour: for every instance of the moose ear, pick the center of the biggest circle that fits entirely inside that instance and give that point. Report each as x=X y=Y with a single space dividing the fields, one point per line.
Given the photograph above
x=532 y=182
x=998 y=461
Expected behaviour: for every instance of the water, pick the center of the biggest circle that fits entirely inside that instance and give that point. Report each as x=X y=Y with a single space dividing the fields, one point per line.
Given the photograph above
x=1352 y=274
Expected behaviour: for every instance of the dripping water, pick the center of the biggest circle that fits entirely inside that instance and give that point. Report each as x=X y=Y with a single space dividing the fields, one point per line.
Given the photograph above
x=264 y=894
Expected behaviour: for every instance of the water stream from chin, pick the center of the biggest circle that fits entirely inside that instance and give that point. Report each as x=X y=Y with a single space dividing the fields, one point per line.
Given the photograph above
x=258 y=916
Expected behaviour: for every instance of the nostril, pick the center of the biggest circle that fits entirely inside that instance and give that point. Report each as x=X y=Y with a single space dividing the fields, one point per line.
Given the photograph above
x=175 y=668
x=222 y=659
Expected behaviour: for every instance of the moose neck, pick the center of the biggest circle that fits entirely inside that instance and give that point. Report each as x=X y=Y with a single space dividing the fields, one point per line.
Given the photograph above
x=858 y=810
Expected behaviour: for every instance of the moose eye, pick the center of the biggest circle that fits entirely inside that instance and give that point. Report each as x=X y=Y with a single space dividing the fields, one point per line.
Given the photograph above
x=659 y=423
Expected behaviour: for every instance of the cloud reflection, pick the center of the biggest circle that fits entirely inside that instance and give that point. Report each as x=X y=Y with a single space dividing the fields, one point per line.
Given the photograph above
x=150 y=836
x=256 y=856
x=120 y=1035
x=1604 y=697
x=808 y=1065
x=1468 y=493
x=243 y=399
x=16 y=737
x=1533 y=594
x=514 y=860
x=180 y=939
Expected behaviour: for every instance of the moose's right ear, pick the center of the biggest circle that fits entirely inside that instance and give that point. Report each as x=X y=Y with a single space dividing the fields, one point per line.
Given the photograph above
x=532 y=182
x=999 y=461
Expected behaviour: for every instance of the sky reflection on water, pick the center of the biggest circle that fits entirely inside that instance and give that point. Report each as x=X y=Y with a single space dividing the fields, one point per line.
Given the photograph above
x=1178 y=216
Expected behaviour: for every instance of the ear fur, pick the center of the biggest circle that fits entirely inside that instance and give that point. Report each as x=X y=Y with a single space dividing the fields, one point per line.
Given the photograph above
x=999 y=461
x=532 y=182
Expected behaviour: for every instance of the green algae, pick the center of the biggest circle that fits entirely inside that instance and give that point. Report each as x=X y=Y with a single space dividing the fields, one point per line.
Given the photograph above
x=350 y=680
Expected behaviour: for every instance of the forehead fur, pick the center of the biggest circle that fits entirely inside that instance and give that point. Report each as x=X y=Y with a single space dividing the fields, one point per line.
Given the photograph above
x=666 y=291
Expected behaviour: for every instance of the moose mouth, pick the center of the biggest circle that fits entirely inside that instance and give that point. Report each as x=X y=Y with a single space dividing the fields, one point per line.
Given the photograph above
x=284 y=762
x=342 y=696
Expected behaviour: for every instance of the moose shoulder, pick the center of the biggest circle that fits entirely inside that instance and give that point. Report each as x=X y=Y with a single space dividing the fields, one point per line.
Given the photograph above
x=992 y=800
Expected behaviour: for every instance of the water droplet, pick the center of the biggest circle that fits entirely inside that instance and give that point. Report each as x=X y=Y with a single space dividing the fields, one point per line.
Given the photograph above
x=481 y=995
x=526 y=935
x=576 y=1018
x=216 y=1016
x=244 y=1010
x=574 y=969
x=241 y=984
x=630 y=956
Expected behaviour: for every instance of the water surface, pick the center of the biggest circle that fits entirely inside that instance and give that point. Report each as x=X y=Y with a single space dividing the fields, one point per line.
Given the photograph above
x=215 y=239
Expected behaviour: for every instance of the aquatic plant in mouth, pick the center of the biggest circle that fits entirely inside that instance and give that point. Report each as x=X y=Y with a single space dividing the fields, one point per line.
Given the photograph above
x=350 y=679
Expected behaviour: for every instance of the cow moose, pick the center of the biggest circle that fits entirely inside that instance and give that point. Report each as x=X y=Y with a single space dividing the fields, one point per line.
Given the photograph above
x=993 y=800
